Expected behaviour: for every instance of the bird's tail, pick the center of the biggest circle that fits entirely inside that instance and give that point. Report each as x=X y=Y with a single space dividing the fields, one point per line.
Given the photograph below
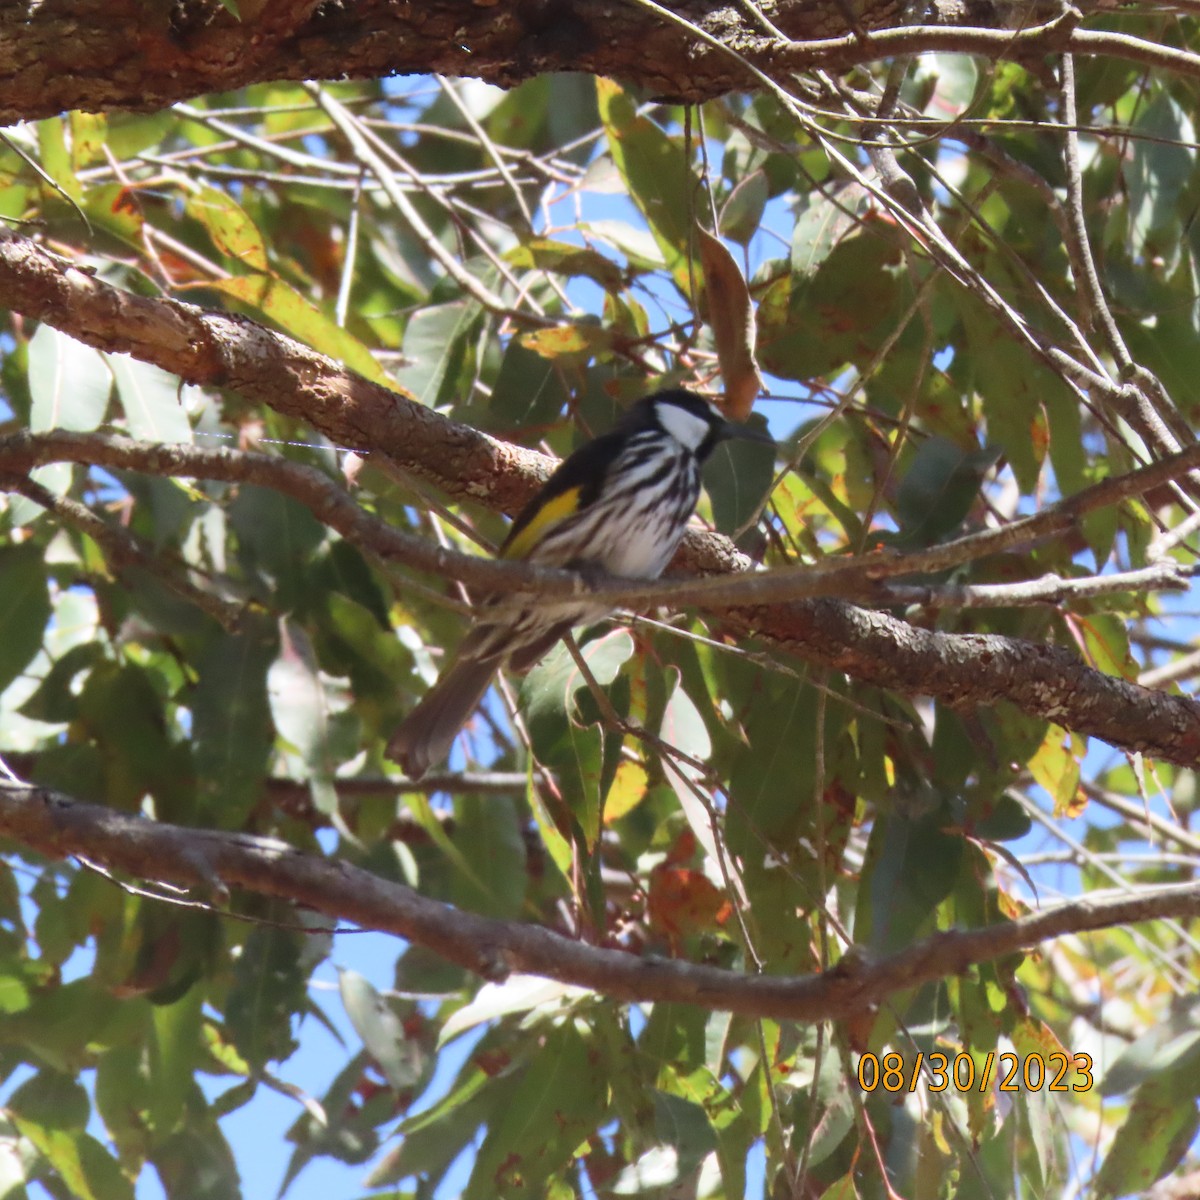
x=426 y=735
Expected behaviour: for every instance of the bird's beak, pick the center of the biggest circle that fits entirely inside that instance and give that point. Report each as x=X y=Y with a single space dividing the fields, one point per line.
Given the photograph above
x=747 y=433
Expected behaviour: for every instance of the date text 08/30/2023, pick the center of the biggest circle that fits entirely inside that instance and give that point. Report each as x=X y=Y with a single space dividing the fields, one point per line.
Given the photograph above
x=1009 y=1072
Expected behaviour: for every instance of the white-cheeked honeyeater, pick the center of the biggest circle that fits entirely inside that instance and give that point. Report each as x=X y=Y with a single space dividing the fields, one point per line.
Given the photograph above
x=619 y=503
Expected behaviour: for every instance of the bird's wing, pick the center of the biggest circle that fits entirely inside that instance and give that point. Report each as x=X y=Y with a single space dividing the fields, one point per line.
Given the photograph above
x=549 y=514
x=575 y=484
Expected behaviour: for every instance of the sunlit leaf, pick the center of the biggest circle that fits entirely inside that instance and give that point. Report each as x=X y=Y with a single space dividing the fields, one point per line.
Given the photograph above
x=281 y=304
x=234 y=234
x=70 y=382
x=656 y=172
x=151 y=400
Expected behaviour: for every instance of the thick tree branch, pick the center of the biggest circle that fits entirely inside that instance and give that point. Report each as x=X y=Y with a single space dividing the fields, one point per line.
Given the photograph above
x=226 y=351
x=272 y=369
x=52 y=824
x=79 y=54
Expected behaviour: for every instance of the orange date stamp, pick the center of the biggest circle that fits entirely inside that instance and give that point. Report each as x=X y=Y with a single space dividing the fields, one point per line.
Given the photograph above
x=1008 y=1072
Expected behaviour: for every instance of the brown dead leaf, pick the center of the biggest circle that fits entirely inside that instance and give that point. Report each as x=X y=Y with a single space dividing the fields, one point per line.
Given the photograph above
x=731 y=315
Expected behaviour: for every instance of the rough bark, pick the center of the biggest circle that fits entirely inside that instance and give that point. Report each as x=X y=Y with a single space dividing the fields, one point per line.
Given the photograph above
x=99 y=55
x=212 y=863
x=268 y=368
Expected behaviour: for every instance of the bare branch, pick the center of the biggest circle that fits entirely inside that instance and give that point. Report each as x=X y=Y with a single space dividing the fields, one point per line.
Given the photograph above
x=1048 y=589
x=728 y=583
x=52 y=824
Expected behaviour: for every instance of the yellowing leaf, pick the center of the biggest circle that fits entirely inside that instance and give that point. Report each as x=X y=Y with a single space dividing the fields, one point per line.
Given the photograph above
x=88 y=131
x=1056 y=767
x=230 y=228
x=567 y=339
x=627 y=791
x=287 y=308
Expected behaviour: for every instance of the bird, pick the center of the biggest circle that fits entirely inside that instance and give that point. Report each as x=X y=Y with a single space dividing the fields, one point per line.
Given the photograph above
x=619 y=504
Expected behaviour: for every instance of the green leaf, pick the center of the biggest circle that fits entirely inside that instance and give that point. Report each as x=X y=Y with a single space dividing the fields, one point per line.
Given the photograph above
x=562 y=258
x=150 y=399
x=308 y=710
x=938 y=490
x=1170 y=1047
x=548 y=690
x=489 y=838
x=54 y=477
x=823 y=221
x=24 y=608
x=434 y=346
x=1106 y=641
x=55 y=156
x=79 y=1161
x=197 y=1164
x=268 y=993
x=742 y=211
x=121 y=709
x=685 y=1127
x=814 y=324
x=123 y=1089
x=737 y=478
x=842 y=1189
x=382 y=1031
x=431 y=1140
x=1004 y=820
x=53 y=1100
x=1153 y=1138
x=174 y=1053
x=1014 y=388
x=278 y=536
x=638 y=246
x=56 y=698
x=558 y=1103
x=835 y=1117
x=232 y=735
x=70 y=383
x=1158 y=174
x=656 y=172
x=910 y=867
x=529 y=390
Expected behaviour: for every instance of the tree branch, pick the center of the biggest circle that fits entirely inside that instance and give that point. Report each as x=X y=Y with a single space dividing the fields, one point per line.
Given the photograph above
x=52 y=824
x=859 y=578
x=272 y=369
x=55 y=57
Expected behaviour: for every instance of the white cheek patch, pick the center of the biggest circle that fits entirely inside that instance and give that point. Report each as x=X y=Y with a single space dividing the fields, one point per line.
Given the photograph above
x=686 y=428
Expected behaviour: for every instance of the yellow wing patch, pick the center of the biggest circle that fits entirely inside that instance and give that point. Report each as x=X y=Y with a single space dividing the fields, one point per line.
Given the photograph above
x=556 y=509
